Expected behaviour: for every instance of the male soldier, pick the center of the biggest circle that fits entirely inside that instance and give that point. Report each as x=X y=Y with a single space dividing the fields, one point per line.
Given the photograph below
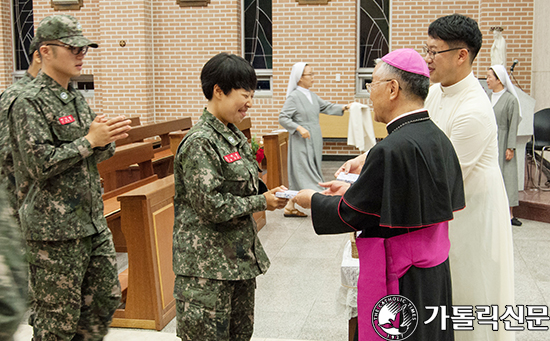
x=57 y=141
x=13 y=269
x=6 y=100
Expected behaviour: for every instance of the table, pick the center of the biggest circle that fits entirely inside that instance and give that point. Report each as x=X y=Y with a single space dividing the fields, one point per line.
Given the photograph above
x=347 y=295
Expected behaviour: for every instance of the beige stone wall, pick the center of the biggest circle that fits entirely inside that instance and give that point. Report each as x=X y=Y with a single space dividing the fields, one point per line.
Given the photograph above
x=156 y=75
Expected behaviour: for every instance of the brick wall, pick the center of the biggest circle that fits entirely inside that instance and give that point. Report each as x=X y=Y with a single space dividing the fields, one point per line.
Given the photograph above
x=6 y=45
x=410 y=21
x=156 y=75
x=324 y=36
x=125 y=77
x=184 y=39
x=517 y=19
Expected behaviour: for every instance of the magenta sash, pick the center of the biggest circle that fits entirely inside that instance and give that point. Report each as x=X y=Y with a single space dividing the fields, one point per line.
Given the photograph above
x=383 y=261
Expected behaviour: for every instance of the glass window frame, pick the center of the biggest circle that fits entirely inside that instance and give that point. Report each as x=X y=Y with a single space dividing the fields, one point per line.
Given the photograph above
x=362 y=74
x=261 y=74
x=83 y=79
x=21 y=59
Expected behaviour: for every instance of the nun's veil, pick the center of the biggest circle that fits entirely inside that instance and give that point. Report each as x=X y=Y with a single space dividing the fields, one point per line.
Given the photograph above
x=502 y=75
x=295 y=75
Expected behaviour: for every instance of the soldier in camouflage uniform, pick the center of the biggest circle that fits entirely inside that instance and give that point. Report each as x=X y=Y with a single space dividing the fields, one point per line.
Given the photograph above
x=13 y=268
x=216 y=251
x=6 y=100
x=13 y=272
x=56 y=142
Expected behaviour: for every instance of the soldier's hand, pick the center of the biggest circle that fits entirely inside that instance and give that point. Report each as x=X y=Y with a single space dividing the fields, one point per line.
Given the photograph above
x=104 y=131
x=272 y=201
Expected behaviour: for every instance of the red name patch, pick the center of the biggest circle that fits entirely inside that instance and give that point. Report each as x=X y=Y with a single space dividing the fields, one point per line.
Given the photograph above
x=232 y=157
x=66 y=119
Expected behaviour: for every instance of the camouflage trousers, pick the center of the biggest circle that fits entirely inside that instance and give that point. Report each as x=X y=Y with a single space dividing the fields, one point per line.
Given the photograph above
x=213 y=310
x=74 y=287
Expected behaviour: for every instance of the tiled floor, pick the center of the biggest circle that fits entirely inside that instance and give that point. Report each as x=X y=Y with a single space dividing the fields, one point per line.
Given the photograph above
x=296 y=299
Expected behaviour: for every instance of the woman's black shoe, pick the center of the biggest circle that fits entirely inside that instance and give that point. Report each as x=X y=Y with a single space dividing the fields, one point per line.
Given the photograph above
x=516 y=222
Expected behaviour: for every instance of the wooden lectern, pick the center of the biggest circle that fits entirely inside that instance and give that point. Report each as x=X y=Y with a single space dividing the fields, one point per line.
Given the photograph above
x=276 y=155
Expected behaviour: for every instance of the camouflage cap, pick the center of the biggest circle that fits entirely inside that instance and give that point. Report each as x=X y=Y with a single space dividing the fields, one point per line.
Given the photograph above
x=64 y=28
x=34 y=46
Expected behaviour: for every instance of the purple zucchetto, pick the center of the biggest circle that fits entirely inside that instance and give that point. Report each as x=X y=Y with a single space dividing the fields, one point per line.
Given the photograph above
x=407 y=60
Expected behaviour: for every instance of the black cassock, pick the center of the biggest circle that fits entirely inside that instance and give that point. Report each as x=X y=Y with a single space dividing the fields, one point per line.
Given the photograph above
x=410 y=184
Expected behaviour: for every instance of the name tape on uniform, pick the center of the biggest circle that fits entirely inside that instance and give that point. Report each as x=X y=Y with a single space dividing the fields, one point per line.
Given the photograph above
x=66 y=119
x=229 y=158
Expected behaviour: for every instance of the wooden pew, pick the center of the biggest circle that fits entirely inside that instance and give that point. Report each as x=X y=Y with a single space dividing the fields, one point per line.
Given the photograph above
x=276 y=155
x=135 y=121
x=161 y=129
x=147 y=219
x=245 y=126
x=111 y=211
x=163 y=160
x=177 y=136
x=140 y=153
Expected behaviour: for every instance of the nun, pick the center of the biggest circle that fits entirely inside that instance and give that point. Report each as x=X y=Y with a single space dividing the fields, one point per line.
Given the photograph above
x=505 y=103
x=300 y=116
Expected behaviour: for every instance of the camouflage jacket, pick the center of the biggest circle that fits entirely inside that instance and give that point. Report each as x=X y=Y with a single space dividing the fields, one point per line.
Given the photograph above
x=216 y=179
x=13 y=273
x=58 y=185
x=6 y=161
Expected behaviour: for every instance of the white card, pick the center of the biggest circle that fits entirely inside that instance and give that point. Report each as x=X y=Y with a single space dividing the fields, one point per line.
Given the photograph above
x=350 y=177
x=286 y=194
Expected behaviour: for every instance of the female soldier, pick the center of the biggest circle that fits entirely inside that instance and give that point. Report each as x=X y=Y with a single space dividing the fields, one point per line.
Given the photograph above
x=216 y=251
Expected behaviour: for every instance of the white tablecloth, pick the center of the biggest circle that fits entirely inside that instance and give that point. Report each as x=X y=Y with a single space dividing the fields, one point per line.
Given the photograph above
x=347 y=295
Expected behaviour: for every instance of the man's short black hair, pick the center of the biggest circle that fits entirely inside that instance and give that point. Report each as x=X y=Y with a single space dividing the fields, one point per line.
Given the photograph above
x=458 y=29
x=413 y=85
x=230 y=72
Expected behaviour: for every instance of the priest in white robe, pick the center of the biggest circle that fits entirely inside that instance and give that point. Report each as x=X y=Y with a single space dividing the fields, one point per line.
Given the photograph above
x=481 y=255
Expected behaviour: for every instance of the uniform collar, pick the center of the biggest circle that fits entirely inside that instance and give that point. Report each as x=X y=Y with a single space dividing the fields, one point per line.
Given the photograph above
x=64 y=95
x=463 y=84
x=231 y=133
x=28 y=76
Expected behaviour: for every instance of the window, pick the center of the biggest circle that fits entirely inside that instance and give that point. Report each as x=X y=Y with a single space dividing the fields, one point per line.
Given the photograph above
x=85 y=84
x=374 y=39
x=23 y=32
x=257 y=44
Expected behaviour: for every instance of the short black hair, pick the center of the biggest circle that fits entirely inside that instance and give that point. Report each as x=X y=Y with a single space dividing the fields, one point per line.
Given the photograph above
x=457 y=29
x=230 y=72
x=413 y=84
